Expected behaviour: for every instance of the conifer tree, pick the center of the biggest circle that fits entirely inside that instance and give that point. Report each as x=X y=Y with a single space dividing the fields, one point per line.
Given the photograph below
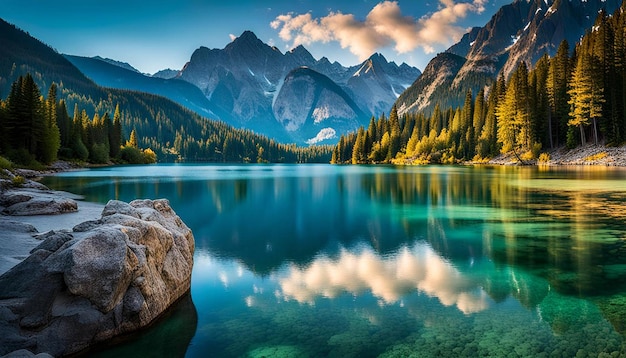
x=478 y=121
x=132 y=141
x=436 y=120
x=394 y=134
x=586 y=94
x=557 y=83
x=358 y=151
x=513 y=115
x=77 y=145
x=26 y=123
x=371 y=135
x=64 y=123
x=466 y=142
x=115 y=135
x=51 y=138
x=540 y=106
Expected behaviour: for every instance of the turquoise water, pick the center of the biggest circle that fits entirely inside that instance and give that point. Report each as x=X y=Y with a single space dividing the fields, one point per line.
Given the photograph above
x=358 y=261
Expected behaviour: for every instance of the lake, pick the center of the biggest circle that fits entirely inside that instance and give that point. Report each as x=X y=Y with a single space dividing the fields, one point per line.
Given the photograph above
x=359 y=261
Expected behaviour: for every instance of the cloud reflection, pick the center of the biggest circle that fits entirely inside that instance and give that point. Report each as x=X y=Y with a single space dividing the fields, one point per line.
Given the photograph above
x=387 y=278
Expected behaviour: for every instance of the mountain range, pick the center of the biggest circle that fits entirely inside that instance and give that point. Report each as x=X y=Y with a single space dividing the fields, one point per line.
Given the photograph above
x=252 y=85
x=172 y=131
x=521 y=31
x=294 y=98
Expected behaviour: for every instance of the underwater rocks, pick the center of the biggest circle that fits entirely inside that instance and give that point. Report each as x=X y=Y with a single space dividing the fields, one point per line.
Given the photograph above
x=104 y=278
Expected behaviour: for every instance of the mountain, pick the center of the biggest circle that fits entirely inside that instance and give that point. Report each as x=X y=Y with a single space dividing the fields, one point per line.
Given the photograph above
x=111 y=75
x=20 y=53
x=521 y=31
x=166 y=74
x=378 y=83
x=168 y=128
x=120 y=64
x=246 y=78
x=434 y=85
x=314 y=108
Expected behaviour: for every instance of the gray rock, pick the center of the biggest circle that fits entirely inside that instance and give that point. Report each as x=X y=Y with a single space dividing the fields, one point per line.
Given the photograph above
x=108 y=277
x=52 y=240
x=23 y=353
x=101 y=268
x=15 y=226
x=30 y=184
x=15 y=197
x=119 y=207
x=27 y=173
x=26 y=201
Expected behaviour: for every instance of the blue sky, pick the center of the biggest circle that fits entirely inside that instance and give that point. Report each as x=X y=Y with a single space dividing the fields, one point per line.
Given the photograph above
x=158 y=34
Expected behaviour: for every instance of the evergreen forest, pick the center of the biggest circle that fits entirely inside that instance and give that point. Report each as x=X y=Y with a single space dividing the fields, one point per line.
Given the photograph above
x=574 y=98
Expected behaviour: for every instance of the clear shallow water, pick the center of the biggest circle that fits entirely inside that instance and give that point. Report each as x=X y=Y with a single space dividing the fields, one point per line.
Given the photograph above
x=320 y=260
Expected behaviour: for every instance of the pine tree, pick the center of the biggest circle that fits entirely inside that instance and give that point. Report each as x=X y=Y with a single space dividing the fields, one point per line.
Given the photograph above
x=607 y=76
x=480 y=109
x=540 y=107
x=51 y=138
x=466 y=143
x=358 y=152
x=77 y=145
x=115 y=135
x=436 y=120
x=412 y=143
x=585 y=92
x=64 y=123
x=394 y=134
x=25 y=120
x=371 y=136
x=513 y=113
x=557 y=83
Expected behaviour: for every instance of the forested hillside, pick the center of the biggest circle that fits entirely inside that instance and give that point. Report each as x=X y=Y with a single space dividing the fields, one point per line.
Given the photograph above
x=564 y=100
x=170 y=130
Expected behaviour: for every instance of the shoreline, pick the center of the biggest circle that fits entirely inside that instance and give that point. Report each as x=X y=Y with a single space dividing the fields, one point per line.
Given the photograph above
x=24 y=232
x=588 y=155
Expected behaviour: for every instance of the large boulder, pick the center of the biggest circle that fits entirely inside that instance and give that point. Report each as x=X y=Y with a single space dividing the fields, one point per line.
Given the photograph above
x=104 y=278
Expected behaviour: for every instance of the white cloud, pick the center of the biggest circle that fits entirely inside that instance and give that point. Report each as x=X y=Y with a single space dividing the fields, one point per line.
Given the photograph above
x=232 y=37
x=385 y=25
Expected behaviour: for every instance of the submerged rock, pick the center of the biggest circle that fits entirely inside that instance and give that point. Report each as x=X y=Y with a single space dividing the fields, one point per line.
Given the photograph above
x=104 y=278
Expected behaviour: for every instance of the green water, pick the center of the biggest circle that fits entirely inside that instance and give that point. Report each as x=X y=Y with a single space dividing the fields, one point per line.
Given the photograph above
x=358 y=261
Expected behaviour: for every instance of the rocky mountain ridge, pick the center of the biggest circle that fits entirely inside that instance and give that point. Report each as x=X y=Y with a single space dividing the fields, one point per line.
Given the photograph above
x=521 y=31
x=245 y=80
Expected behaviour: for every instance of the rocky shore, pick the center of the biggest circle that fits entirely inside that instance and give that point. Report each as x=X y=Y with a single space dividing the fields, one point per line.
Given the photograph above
x=599 y=155
x=84 y=278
